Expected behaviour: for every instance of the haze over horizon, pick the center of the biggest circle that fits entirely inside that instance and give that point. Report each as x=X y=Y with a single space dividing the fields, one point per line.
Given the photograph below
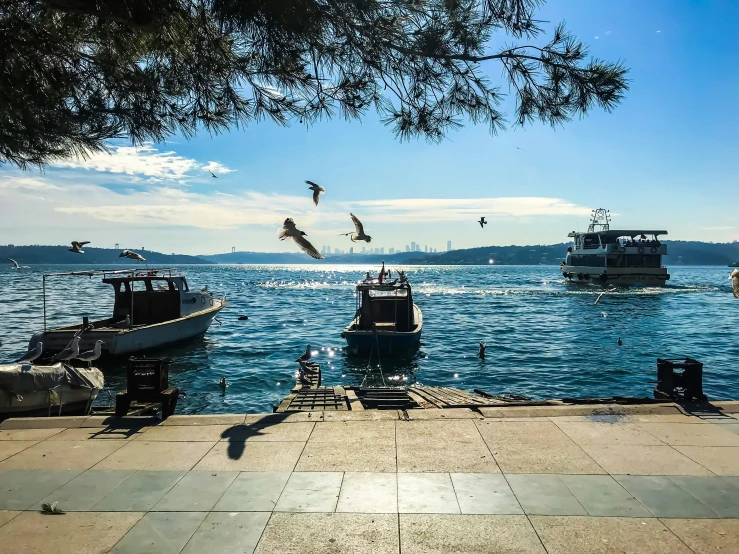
x=664 y=159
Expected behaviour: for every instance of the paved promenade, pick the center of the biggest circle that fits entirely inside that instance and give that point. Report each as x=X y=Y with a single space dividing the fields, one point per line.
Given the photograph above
x=508 y=480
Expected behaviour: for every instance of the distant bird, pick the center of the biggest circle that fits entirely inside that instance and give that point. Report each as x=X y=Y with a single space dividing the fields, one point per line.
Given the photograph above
x=223 y=383
x=131 y=255
x=305 y=356
x=303 y=378
x=213 y=175
x=31 y=355
x=92 y=355
x=243 y=318
x=359 y=234
x=482 y=222
x=16 y=267
x=77 y=246
x=521 y=149
x=481 y=352
x=620 y=342
x=290 y=231
x=70 y=352
x=122 y=324
x=317 y=190
x=734 y=276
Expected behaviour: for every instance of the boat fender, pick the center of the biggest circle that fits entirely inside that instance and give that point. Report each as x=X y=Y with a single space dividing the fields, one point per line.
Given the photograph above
x=202 y=299
x=211 y=301
x=641 y=250
x=343 y=335
x=654 y=250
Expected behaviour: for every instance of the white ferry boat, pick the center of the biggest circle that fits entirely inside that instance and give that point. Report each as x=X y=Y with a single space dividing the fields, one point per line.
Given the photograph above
x=605 y=256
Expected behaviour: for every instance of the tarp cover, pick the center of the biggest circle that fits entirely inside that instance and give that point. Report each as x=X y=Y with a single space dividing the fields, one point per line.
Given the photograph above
x=26 y=378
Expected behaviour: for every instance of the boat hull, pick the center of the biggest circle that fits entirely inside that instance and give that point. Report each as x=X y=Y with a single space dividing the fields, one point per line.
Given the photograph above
x=120 y=342
x=649 y=277
x=75 y=401
x=389 y=343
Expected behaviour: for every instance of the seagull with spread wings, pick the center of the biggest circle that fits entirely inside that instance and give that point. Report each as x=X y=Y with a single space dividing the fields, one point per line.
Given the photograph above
x=16 y=267
x=317 y=190
x=213 y=175
x=482 y=222
x=77 y=246
x=290 y=231
x=131 y=255
x=359 y=234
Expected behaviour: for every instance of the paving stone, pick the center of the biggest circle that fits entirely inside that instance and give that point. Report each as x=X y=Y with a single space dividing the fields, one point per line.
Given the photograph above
x=280 y=432
x=544 y=495
x=42 y=422
x=721 y=460
x=663 y=497
x=96 y=433
x=363 y=415
x=341 y=432
x=718 y=494
x=216 y=419
x=6 y=516
x=643 y=460
x=731 y=428
x=81 y=493
x=160 y=533
x=678 y=434
x=253 y=491
x=601 y=495
x=11 y=448
x=330 y=534
x=140 y=492
x=22 y=488
x=589 y=432
x=287 y=417
x=61 y=454
x=184 y=433
x=76 y=532
x=559 y=457
x=351 y=456
x=484 y=493
x=28 y=434
x=541 y=431
x=310 y=492
x=606 y=535
x=426 y=493
x=467 y=534
x=707 y=536
x=132 y=423
x=228 y=533
x=369 y=493
x=446 y=413
x=197 y=491
x=251 y=456
x=155 y=455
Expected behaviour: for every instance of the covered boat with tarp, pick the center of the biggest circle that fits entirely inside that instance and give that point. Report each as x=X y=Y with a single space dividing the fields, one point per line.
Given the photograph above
x=386 y=320
x=57 y=389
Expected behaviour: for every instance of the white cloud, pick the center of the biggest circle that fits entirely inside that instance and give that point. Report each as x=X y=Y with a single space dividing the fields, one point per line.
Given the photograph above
x=597 y=37
x=608 y=32
x=216 y=168
x=141 y=161
x=27 y=183
x=659 y=31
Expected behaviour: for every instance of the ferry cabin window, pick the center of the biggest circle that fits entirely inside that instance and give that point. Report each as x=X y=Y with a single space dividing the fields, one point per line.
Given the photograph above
x=184 y=285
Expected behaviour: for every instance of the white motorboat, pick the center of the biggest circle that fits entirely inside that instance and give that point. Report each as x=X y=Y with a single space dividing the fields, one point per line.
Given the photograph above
x=605 y=256
x=57 y=389
x=152 y=308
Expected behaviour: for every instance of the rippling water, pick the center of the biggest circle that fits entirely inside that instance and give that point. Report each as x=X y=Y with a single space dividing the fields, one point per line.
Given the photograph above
x=545 y=338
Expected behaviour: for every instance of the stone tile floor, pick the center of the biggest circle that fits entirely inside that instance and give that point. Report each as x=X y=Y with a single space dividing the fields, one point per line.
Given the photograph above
x=315 y=483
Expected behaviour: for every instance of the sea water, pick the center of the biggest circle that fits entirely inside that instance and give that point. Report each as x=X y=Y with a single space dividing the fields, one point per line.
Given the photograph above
x=545 y=338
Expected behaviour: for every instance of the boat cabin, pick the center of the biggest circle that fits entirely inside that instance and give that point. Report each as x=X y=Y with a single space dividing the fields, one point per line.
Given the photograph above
x=149 y=299
x=384 y=307
x=617 y=248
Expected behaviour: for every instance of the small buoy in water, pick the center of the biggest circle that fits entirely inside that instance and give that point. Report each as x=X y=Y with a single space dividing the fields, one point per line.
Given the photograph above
x=223 y=383
x=243 y=317
x=620 y=342
x=481 y=352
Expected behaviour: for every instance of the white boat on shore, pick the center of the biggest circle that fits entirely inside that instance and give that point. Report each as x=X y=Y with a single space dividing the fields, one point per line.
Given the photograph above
x=152 y=308
x=57 y=389
x=605 y=256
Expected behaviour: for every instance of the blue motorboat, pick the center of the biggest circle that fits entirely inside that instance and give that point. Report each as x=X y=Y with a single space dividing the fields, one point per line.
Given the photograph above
x=386 y=320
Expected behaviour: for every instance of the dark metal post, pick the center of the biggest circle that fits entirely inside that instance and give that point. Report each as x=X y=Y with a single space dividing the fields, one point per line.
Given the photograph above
x=44 y=280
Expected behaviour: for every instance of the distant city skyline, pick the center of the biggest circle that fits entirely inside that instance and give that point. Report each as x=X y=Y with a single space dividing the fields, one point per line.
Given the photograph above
x=665 y=158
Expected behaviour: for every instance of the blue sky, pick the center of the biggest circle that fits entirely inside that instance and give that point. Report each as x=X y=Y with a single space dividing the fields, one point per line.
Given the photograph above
x=667 y=157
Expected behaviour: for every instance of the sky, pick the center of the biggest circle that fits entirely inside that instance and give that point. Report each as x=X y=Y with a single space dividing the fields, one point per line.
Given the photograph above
x=667 y=158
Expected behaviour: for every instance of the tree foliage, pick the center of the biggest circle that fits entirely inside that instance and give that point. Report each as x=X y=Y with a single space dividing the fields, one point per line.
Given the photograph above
x=75 y=73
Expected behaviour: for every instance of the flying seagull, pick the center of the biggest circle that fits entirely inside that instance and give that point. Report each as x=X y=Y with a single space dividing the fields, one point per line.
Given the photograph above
x=70 y=352
x=317 y=190
x=92 y=355
x=213 y=175
x=305 y=356
x=482 y=222
x=131 y=255
x=16 y=267
x=359 y=235
x=31 y=355
x=734 y=276
x=290 y=231
x=77 y=246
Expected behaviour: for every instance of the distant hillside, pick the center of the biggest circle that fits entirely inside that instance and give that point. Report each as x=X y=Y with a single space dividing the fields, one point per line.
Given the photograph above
x=300 y=258
x=29 y=255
